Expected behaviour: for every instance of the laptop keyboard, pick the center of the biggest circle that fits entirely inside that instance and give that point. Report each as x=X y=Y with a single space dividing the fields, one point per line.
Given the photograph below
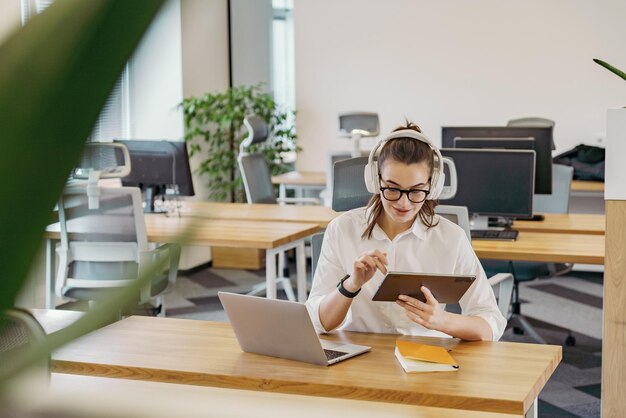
x=506 y=235
x=332 y=354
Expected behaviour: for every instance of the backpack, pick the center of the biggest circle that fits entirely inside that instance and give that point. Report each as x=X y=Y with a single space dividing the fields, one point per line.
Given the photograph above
x=587 y=160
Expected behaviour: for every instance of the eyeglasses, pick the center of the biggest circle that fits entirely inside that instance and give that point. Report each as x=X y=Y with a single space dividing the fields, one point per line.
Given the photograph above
x=393 y=194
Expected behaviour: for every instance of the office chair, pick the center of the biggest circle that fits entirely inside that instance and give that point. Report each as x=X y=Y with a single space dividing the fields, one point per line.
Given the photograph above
x=104 y=245
x=357 y=125
x=502 y=283
x=524 y=271
x=530 y=121
x=20 y=333
x=457 y=214
x=255 y=171
x=533 y=121
x=257 y=182
x=354 y=125
x=349 y=190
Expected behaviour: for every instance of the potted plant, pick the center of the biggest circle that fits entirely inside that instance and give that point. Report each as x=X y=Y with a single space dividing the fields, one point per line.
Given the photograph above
x=214 y=124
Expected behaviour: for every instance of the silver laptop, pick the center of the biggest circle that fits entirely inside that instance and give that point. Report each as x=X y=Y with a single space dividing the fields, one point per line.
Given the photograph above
x=280 y=328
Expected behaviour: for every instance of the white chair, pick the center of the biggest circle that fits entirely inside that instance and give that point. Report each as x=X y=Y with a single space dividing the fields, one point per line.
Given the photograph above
x=502 y=283
x=104 y=244
x=533 y=121
x=457 y=214
x=530 y=121
x=357 y=125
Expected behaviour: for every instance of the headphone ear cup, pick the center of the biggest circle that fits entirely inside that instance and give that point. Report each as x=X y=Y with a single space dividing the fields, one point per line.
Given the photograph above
x=371 y=177
x=437 y=188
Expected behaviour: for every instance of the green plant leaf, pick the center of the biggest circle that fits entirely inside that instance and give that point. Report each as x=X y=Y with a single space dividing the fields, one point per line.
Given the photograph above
x=55 y=76
x=609 y=67
x=217 y=120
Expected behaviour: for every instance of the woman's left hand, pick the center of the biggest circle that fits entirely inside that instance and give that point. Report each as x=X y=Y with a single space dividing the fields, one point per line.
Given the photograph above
x=429 y=315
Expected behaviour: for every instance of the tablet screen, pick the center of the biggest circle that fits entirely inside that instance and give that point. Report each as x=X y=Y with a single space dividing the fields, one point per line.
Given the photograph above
x=446 y=288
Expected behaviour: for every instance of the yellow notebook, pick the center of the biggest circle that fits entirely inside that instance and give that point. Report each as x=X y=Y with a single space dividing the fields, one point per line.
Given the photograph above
x=416 y=357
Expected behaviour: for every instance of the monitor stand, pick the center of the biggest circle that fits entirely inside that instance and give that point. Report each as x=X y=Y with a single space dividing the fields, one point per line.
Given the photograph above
x=356 y=145
x=149 y=197
x=482 y=222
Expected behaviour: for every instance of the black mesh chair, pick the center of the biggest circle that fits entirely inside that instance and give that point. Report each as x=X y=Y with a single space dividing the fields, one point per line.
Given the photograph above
x=20 y=333
x=255 y=172
x=349 y=190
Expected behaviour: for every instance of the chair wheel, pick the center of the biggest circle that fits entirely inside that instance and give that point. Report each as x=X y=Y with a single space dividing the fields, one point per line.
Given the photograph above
x=570 y=341
x=518 y=331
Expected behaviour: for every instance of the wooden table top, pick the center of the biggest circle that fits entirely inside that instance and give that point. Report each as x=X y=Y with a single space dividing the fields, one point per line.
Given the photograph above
x=554 y=222
x=494 y=377
x=587 y=186
x=301 y=178
x=135 y=398
x=539 y=246
x=218 y=232
x=320 y=215
x=570 y=223
x=53 y=320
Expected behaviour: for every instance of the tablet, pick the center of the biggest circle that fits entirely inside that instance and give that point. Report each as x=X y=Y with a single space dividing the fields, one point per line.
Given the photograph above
x=446 y=288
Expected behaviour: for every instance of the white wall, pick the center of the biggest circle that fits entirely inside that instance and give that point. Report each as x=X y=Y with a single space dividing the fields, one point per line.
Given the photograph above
x=10 y=17
x=156 y=78
x=205 y=68
x=205 y=46
x=205 y=59
x=251 y=23
x=455 y=62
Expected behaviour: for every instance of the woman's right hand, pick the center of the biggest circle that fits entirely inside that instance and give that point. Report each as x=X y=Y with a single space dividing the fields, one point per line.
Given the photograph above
x=365 y=267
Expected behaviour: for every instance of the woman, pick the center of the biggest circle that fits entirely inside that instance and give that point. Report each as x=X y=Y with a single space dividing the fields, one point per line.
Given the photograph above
x=399 y=231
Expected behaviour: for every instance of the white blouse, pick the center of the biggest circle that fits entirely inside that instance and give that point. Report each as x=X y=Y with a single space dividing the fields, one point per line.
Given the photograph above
x=443 y=249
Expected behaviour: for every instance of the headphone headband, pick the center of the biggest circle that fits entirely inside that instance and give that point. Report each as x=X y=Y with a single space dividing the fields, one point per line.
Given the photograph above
x=372 y=169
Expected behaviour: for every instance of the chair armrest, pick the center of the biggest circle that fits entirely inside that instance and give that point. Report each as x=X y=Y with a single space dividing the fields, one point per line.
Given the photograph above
x=294 y=200
x=173 y=251
x=502 y=284
x=167 y=251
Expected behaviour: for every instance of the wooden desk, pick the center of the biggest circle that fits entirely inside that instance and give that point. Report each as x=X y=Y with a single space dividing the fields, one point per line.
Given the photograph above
x=134 y=398
x=586 y=186
x=53 y=320
x=493 y=377
x=320 y=215
x=573 y=238
x=571 y=223
x=537 y=246
x=299 y=180
x=592 y=224
x=274 y=237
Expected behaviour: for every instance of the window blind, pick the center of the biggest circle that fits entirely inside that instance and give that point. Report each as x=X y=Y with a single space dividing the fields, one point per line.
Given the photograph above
x=113 y=121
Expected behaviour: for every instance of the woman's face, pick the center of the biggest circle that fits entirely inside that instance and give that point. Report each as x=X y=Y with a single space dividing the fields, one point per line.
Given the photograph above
x=403 y=176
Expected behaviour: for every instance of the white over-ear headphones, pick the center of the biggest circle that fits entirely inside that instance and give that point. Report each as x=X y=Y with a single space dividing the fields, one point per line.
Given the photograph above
x=438 y=177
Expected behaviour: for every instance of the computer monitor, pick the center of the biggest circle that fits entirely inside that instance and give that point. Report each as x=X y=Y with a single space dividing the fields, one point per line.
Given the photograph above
x=543 y=145
x=493 y=182
x=495 y=143
x=157 y=166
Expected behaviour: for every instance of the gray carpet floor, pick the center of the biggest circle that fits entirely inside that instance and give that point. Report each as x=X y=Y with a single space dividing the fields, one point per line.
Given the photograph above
x=556 y=308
